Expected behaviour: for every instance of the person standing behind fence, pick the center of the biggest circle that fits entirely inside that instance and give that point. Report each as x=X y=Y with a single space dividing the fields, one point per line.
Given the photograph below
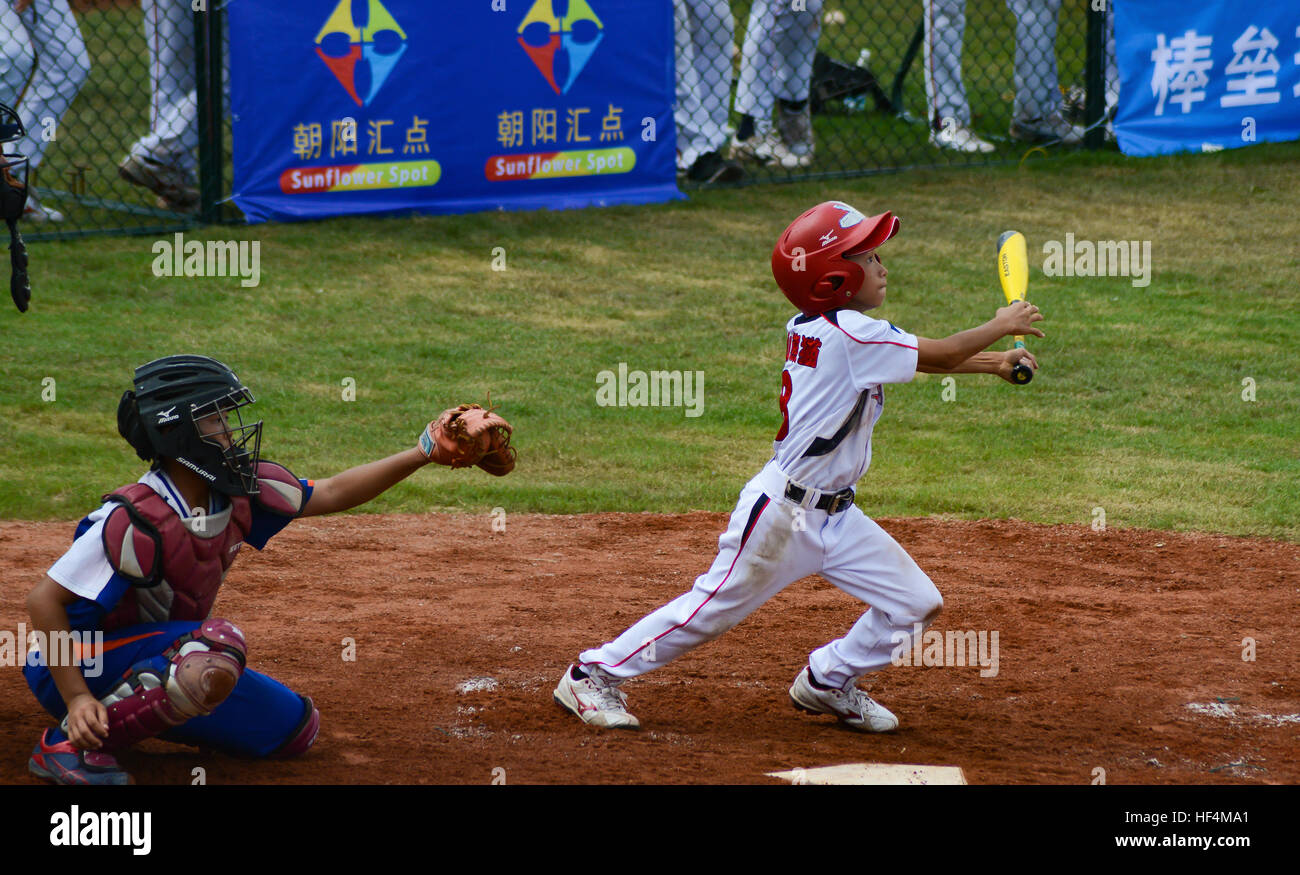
x=15 y=55
x=776 y=67
x=163 y=160
x=703 y=31
x=1037 y=114
x=945 y=93
x=58 y=65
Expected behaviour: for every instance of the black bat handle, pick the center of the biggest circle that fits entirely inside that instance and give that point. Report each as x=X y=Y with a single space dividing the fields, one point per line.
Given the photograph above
x=19 y=288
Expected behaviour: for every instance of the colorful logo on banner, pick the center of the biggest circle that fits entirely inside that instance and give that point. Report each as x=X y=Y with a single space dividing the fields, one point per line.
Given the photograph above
x=342 y=45
x=560 y=47
x=450 y=107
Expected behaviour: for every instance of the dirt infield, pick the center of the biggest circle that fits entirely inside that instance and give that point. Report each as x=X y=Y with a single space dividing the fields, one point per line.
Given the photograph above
x=1118 y=650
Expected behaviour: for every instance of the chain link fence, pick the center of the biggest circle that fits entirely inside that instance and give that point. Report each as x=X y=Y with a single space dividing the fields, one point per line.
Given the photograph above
x=111 y=93
x=774 y=90
x=125 y=100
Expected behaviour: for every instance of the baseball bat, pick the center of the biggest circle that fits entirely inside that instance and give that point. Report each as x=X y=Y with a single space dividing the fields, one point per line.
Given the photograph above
x=1013 y=272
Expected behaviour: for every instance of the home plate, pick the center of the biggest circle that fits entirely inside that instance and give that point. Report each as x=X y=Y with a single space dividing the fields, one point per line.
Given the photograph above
x=874 y=773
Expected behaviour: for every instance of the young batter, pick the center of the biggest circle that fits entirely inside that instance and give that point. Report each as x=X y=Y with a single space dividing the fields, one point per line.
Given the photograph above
x=797 y=516
x=145 y=567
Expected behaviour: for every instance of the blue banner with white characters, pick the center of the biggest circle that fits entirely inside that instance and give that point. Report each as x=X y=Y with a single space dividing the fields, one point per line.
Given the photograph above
x=1206 y=76
x=448 y=106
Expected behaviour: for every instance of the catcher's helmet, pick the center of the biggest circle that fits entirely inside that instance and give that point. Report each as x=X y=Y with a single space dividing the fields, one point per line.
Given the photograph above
x=808 y=260
x=159 y=419
x=13 y=200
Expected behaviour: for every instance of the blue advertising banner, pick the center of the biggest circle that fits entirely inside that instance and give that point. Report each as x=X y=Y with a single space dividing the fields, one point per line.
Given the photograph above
x=447 y=106
x=1206 y=76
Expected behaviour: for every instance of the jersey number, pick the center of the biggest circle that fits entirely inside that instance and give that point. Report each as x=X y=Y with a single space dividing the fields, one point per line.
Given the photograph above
x=787 y=389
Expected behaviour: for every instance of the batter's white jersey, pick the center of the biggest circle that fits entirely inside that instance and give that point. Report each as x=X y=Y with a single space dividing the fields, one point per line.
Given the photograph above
x=832 y=394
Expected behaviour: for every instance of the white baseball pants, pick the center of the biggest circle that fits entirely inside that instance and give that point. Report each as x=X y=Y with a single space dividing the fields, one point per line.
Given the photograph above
x=42 y=77
x=1038 y=92
x=173 y=134
x=776 y=60
x=1037 y=87
x=16 y=56
x=703 y=31
x=770 y=543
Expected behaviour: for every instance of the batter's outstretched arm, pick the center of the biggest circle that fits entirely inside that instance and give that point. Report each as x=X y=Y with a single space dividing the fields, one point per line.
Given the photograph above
x=952 y=351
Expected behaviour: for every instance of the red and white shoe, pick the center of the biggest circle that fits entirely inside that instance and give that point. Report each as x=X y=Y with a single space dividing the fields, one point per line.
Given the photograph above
x=595 y=701
x=37 y=213
x=64 y=763
x=853 y=707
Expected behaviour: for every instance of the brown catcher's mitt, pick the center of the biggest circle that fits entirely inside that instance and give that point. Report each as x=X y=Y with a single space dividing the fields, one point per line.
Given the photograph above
x=469 y=435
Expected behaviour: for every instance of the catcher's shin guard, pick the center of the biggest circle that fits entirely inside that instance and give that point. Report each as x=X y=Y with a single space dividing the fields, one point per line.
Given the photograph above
x=304 y=735
x=202 y=669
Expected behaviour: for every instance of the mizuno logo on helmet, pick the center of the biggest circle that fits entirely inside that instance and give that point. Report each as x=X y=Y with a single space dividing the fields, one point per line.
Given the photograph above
x=829 y=237
x=168 y=415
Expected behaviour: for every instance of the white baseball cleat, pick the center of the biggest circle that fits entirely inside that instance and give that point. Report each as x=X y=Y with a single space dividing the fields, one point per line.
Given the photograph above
x=767 y=148
x=595 y=701
x=38 y=213
x=855 y=708
x=959 y=138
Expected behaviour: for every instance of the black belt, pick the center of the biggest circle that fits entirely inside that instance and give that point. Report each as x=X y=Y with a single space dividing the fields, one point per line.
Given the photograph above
x=831 y=502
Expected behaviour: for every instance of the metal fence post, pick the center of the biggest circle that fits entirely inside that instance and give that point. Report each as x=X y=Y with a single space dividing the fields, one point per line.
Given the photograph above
x=1095 y=75
x=207 y=58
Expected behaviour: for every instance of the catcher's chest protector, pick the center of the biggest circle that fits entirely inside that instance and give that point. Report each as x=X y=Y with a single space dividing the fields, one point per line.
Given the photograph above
x=177 y=569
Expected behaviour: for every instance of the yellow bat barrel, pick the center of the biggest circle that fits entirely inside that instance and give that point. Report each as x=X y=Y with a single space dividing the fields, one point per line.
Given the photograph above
x=1013 y=273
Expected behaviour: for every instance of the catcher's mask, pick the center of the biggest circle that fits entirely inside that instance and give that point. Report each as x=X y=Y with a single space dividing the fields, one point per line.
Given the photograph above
x=13 y=200
x=188 y=408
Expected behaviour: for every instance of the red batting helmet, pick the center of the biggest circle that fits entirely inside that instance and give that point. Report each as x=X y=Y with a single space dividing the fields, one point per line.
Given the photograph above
x=808 y=260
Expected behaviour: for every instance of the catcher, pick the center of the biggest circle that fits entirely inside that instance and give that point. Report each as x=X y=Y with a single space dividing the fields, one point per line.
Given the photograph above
x=145 y=568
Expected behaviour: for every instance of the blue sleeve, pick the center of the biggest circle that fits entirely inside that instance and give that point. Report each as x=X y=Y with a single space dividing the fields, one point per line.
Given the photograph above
x=87 y=615
x=266 y=524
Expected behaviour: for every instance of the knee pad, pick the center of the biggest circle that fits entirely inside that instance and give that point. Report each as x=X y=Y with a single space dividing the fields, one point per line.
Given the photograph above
x=202 y=668
x=303 y=736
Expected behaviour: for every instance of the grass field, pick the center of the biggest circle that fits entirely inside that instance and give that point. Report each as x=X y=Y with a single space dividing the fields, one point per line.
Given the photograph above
x=1138 y=409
